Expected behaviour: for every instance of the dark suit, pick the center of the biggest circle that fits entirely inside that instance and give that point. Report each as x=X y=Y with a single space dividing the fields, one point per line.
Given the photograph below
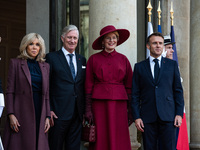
x=66 y=99
x=158 y=103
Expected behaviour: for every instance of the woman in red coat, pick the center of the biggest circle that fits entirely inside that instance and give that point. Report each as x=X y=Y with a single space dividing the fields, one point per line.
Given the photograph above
x=27 y=97
x=108 y=88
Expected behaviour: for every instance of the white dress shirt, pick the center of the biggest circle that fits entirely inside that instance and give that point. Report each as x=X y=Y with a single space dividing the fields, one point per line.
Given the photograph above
x=68 y=58
x=152 y=63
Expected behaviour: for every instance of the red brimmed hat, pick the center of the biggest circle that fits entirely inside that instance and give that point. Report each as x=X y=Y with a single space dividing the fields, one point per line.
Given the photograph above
x=123 y=36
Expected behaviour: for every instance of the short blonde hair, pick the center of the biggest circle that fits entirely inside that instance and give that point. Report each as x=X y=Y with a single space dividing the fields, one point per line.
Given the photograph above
x=117 y=34
x=27 y=39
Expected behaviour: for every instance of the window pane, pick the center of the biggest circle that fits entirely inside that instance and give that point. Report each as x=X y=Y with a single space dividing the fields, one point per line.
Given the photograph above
x=67 y=10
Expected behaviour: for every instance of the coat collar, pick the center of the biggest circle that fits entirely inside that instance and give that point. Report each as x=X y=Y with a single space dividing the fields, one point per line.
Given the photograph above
x=163 y=67
x=107 y=54
x=28 y=75
x=26 y=70
x=45 y=74
x=65 y=63
x=148 y=68
x=79 y=67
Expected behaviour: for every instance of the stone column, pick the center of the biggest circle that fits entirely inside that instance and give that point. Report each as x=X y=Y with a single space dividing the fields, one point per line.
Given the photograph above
x=182 y=37
x=121 y=14
x=37 y=19
x=194 y=75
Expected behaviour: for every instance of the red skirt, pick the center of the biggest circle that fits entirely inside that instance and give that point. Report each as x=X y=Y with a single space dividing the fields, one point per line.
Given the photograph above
x=111 y=122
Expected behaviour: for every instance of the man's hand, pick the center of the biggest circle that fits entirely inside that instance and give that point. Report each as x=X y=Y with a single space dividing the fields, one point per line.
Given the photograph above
x=53 y=115
x=139 y=124
x=178 y=121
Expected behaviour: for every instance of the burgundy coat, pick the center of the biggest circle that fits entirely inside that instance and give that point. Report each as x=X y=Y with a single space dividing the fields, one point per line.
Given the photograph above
x=109 y=81
x=19 y=101
x=108 y=76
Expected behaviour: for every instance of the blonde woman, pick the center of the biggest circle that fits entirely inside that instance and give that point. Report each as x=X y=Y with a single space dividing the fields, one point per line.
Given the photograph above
x=27 y=97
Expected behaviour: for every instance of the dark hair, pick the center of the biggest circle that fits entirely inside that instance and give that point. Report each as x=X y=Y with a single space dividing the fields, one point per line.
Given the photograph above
x=154 y=34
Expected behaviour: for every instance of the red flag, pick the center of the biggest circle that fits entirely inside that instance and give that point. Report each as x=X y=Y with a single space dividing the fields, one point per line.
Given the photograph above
x=182 y=143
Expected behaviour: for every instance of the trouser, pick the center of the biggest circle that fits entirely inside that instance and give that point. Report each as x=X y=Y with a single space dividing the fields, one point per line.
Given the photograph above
x=66 y=133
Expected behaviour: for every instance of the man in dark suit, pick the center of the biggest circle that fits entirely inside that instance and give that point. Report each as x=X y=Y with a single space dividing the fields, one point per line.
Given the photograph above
x=67 y=77
x=157 y=97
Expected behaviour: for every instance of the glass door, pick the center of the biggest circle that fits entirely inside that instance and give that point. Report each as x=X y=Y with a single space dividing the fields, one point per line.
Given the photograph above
x=67 y=12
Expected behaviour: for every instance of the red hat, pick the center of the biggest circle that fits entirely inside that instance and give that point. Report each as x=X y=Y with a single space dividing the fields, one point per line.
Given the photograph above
x=123 y=36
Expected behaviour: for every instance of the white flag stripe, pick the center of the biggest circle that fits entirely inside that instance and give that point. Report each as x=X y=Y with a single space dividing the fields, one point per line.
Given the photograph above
x=149 y=32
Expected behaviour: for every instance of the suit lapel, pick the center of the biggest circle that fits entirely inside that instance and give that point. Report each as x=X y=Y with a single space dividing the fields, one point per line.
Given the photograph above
x=44 y=76
x=26 y=70
x=148 y=68
x=162 y=67
x=65 y=64
x=79 y=66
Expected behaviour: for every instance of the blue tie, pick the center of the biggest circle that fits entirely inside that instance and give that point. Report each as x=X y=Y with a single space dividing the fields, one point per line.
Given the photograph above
x=71 y=65
x=156 y=70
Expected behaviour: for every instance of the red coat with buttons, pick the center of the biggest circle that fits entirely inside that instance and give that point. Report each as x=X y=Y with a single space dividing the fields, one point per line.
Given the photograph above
x=109 y=81
x=108 y=76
